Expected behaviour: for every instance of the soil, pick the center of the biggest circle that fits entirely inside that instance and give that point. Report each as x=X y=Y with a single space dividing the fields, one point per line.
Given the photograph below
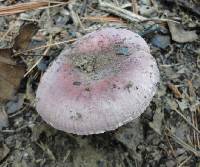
x=166 y=134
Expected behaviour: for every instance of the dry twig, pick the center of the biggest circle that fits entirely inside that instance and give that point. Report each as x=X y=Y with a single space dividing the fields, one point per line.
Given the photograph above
x=185 y=161
x=24 y=7
x=111 y=8
x=39 y=60
x=103 y=19
x=125 y=14
x=45 y=46
x=170 y=145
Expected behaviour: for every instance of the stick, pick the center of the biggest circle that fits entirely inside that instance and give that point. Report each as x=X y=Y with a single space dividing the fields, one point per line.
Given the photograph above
x=111 y=8
x=127 y=15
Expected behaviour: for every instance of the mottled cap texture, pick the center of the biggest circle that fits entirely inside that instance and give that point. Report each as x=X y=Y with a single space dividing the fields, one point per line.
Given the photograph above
x=105 y=79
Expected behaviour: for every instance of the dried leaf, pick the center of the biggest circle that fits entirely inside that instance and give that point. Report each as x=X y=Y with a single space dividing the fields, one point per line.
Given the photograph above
x=5 y=56
x=38 y=129
x=131 y=136
x=4 y=150
x=11 y=73
x=23 y=39
x=3 y=118
x=10 y=78
x=156 y=124
x=174 y=90
x=181 y=35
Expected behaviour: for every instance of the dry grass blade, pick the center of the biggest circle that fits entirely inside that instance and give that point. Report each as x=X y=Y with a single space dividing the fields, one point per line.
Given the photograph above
x=46 y=150
x=39 y=60
x=185 y=161
x=182 y=143
x=45 y=46
x=23 y=7
x=103 y=19
x=189 y=123
x=170 y=145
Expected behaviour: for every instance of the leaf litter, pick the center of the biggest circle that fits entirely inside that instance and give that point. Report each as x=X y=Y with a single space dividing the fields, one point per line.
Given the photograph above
x=167 y=134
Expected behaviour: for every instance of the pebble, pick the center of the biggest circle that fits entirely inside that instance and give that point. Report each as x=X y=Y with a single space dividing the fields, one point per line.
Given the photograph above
x=161 y=41
x=147 y=11
x=170 y=163
x=14 y=105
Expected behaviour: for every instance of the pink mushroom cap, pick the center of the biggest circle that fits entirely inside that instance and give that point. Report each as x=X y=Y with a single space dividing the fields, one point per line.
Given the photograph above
x=105 y=79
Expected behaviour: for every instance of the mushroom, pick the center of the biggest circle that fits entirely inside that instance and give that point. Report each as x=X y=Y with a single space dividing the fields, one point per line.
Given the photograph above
x=104 y=80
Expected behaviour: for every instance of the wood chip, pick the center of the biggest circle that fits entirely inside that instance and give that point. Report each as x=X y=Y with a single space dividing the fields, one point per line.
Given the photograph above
x=23 y=7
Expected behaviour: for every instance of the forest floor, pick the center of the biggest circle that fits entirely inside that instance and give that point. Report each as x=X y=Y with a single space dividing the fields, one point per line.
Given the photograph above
x=33 y=33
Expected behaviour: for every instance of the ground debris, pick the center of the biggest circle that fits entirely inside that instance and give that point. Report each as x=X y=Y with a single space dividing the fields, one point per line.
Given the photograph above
x=3 y=118
x=10 y=78
x=193 y=6
x=174 y=90
x=156 y=124
x=180 y=35
x=22 y=40
x=11 y=71
x=4 y=151
x=131 y=136
x=161 y=41
x=28 y=141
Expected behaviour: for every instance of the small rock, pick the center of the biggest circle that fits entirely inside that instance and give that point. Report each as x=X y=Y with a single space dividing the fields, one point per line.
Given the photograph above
x=147 y=10
x=14 y=105
x=61 y=21
x=64 y=12
x=25 y=16
x=42 y=66
x=161 y=41
x=170 y=163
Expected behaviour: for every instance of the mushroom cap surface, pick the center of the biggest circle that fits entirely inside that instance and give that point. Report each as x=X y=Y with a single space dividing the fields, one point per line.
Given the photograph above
x=105 y=79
